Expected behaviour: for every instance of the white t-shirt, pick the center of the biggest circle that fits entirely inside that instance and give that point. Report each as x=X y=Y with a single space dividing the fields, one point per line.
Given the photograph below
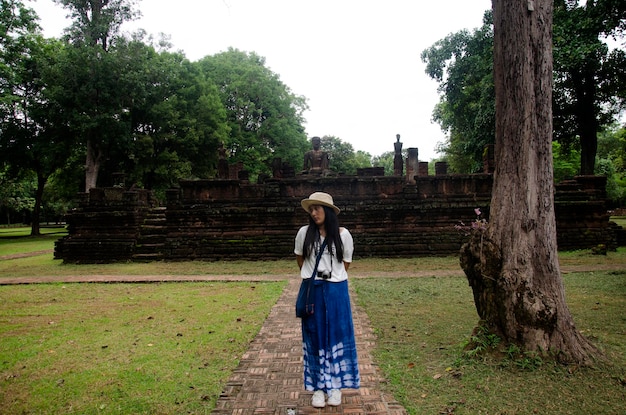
x=339 y=272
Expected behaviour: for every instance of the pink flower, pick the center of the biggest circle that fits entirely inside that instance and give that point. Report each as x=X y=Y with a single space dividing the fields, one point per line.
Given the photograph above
x=477 y=211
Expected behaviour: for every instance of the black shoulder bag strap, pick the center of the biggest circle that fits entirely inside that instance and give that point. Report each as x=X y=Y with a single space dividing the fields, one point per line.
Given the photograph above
x=319 y=257
x=310 y=305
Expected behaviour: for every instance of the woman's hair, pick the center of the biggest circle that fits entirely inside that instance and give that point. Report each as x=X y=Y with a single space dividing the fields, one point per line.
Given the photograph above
x=331 y=223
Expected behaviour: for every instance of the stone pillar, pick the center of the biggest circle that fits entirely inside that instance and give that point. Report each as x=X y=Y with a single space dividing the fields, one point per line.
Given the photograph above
x=222 y=164
x=411 y=165
x=441 y=168
x=234 y=169
x=243 y=175
x=422 y=169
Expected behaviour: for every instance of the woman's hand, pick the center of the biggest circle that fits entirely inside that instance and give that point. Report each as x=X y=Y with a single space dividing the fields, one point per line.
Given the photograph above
x=300 y=260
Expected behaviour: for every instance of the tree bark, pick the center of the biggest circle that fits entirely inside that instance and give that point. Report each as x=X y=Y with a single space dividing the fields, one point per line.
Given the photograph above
x=35 y=228
x=513 y=266
x=92 y=165
x=586 y=116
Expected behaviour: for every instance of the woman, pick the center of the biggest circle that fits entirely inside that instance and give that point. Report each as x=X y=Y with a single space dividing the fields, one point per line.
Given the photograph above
x=330 y=358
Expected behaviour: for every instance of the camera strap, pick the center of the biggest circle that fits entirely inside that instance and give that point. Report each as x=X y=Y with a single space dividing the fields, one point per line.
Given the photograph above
x=319 y=256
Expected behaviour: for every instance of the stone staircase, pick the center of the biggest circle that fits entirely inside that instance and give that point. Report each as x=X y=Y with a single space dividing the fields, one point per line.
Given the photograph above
x=152 y=237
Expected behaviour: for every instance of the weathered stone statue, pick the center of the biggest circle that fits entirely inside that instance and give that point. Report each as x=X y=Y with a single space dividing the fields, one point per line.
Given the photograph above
x=316 y=160
x=398 y=162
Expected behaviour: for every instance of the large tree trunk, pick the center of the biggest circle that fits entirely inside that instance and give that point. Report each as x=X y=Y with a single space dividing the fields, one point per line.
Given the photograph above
x=92 y=165
x=35 y=228
x=513 y=266
x=586 y=118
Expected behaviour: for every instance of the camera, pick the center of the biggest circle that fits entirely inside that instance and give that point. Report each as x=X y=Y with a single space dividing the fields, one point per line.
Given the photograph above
x=325 y=275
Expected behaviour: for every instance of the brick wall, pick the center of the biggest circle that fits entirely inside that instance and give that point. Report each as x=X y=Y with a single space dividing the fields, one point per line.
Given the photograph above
x=234 y=219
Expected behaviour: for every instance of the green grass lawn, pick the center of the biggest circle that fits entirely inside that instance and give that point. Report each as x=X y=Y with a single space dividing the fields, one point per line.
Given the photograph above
x=18 y=240
x=163 y=348
x=169 y=347
x=423 y=324
x=620 y=220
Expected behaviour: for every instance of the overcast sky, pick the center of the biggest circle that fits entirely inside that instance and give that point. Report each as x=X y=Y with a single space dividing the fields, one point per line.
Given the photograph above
x=356 y=61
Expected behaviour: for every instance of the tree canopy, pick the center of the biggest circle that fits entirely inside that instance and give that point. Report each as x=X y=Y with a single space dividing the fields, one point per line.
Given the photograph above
x=342 y=157
x=264 y=116
x=589 y=82
x=32 y=134
x=463 y=65
x=97 y=103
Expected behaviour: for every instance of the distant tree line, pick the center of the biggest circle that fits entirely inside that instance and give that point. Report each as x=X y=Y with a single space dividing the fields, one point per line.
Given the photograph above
x=74 y=111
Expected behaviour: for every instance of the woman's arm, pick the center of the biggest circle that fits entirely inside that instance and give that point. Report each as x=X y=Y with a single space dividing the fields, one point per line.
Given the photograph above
x=300 y=260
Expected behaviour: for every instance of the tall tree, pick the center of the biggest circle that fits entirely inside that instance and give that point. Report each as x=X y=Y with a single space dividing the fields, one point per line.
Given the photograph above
x=96 y=99
x=589 y=77
x=513 y=266
x=16 y=193
x=264 y=115
x=31 y=131
x=589 y=87
x=462 y=63
x=178 y=120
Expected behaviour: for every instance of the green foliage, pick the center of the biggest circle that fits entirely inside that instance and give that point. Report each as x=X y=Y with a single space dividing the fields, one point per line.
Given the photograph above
x=589 y=86
x=463 y=65
x=615 y=189
x=263 y=114
x=342 y=158
x=588 y=77
x=96 y=23
x=94 y=90
x=612 y=163
x=480 y=342
x=16 y=195
x=362 y=159
x=385 y=160
x=32 y=138
x=566 y=162
x=177 y=120
x=609 y=163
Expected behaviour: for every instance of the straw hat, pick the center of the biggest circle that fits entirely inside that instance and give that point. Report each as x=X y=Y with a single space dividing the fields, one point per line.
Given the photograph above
x=319 y=198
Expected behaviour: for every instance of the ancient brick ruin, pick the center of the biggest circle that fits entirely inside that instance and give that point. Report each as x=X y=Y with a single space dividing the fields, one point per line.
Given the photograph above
x=407 y=215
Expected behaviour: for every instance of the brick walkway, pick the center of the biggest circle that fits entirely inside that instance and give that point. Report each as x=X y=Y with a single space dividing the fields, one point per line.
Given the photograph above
x=268 y=379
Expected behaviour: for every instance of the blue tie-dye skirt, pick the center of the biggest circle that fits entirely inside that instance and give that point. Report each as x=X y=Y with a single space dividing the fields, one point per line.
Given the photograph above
x=330 y=358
